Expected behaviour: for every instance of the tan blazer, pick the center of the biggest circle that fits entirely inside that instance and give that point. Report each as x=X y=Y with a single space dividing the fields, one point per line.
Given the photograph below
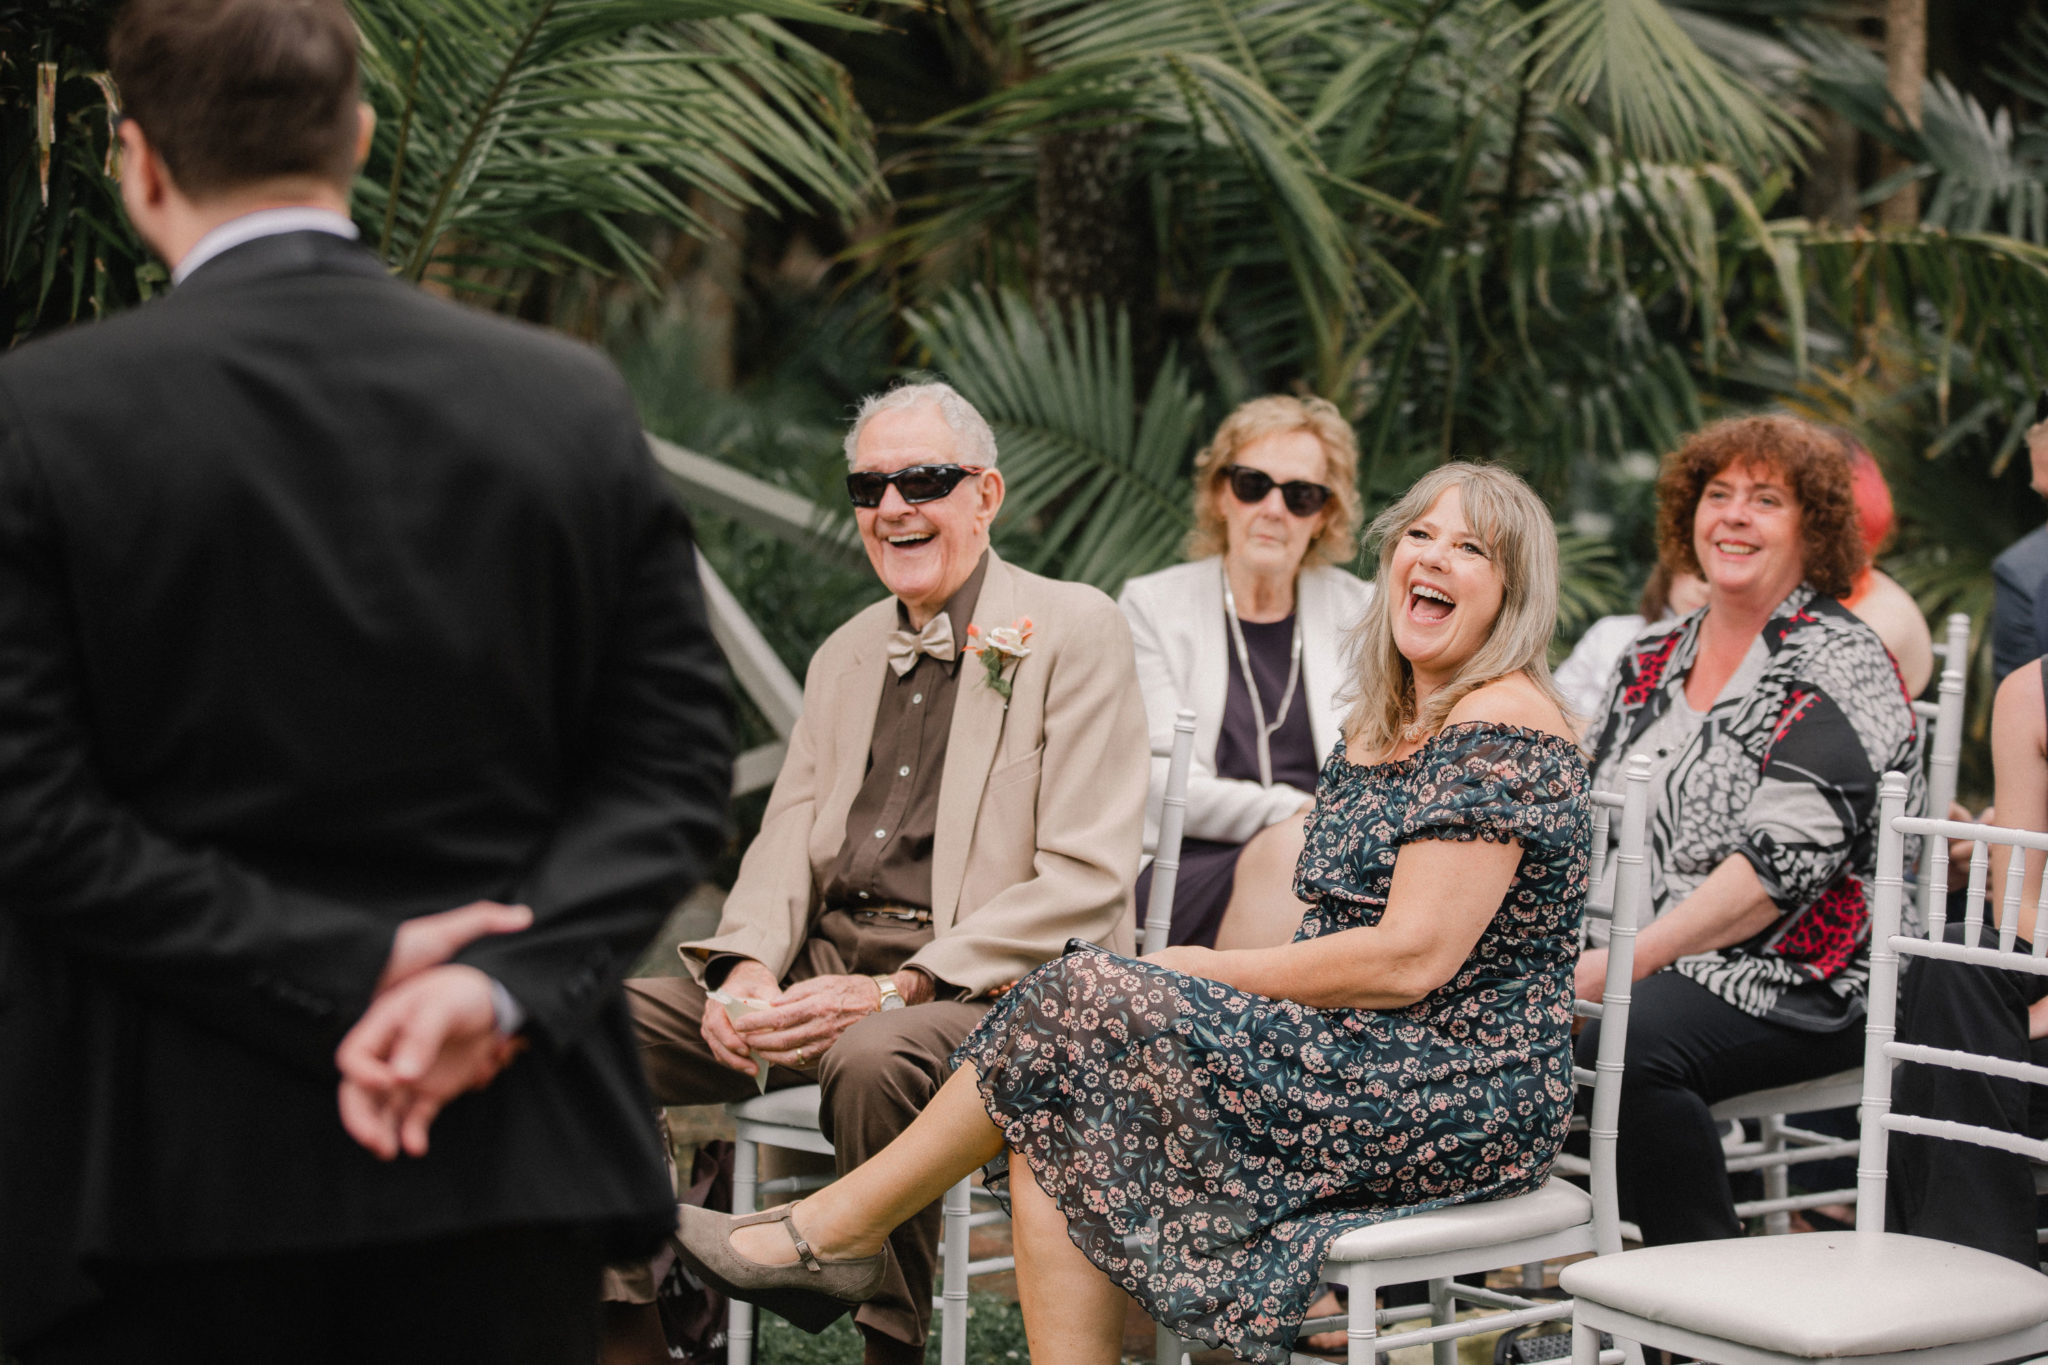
x=1041 y=803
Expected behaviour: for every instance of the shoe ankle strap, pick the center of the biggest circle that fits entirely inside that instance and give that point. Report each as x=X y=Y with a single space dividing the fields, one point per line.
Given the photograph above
x=803 y=1248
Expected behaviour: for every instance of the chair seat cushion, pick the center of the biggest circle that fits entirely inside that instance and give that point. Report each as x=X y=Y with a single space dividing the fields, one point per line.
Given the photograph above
x=1557 y=1206
x=1838 y=1091
x=795 y=1107
x=1820 y=1294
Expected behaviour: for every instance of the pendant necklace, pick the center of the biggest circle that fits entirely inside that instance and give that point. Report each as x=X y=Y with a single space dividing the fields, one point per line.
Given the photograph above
x=1251 y=685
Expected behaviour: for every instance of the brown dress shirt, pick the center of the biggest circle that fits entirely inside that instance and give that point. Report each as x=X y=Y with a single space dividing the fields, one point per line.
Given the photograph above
x=885 y=857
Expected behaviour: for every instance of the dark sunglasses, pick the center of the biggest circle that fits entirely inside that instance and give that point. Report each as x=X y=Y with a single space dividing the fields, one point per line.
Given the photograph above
x=1303 y=498
x=919 y=483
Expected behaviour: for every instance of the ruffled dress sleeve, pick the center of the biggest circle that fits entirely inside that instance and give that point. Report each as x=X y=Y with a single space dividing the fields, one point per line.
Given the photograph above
x=1495 y=782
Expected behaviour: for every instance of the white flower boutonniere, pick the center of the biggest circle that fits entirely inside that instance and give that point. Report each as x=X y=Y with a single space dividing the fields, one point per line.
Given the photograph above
x=999 y=651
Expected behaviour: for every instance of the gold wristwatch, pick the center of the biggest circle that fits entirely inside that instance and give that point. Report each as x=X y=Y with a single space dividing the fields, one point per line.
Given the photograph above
x=892 y=999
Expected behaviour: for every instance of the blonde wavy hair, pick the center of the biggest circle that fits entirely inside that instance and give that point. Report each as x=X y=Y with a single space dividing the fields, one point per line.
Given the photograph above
x=1522 y=541
x=1273 y=415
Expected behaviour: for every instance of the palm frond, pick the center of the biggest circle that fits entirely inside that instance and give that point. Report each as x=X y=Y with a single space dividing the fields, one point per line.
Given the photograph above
x=1097 y=484
x=496 y=117
x=1665 y=99
x=1589 y=582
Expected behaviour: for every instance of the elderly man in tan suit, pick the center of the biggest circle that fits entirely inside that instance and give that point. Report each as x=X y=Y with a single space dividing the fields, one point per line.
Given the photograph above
x=963 y=794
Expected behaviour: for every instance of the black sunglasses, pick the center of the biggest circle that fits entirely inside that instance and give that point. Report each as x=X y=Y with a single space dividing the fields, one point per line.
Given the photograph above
x=919 y=483
x=1303 y=498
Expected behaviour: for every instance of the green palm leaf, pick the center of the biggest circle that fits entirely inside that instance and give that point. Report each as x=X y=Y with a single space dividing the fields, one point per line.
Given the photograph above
x=497 y=118
x=1097 y=485
x=1665 y=98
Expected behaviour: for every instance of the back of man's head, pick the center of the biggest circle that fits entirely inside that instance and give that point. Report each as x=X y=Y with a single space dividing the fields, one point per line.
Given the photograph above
x=233 y=93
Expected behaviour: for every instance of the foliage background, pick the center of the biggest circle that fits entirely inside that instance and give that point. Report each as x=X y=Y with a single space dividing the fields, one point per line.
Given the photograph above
x=1555 y=233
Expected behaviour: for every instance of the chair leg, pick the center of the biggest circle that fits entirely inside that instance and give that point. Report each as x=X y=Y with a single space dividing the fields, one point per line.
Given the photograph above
x=1362 y=1325
x=1585 y=1344
x=953 y=1277
x=1443 y=1309
x=739 y=1321
x=1777 y=1184
x=1167 y=1348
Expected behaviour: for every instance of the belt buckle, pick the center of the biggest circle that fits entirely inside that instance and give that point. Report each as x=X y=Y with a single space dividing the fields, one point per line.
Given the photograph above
x=905 y=915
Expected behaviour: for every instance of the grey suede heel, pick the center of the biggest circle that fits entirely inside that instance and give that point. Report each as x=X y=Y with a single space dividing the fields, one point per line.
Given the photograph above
x=813 y=1294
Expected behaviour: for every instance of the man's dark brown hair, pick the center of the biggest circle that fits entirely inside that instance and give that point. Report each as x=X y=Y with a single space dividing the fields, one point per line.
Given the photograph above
x=233 y=92
x=1812 y=464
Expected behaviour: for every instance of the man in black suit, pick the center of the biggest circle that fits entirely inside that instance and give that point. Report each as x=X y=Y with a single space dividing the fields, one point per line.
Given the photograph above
x=355 y=693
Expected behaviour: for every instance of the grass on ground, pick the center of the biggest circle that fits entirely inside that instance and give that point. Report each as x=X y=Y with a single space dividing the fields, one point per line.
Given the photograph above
x=995 y=1336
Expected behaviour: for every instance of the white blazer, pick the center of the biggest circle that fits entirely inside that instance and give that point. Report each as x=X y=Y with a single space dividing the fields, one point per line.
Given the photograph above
x=1184 y=659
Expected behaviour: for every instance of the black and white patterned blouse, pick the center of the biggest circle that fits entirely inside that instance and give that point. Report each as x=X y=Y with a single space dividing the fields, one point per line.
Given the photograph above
x=1783 y=771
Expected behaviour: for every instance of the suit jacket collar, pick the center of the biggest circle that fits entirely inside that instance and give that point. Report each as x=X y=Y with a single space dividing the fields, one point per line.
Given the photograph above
x=284 y=253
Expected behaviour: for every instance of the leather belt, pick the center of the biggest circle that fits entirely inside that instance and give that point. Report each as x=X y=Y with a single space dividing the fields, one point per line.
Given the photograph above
x=907 y=914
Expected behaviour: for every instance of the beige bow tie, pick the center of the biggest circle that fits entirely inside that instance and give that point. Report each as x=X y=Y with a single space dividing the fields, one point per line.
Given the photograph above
x=936 y=639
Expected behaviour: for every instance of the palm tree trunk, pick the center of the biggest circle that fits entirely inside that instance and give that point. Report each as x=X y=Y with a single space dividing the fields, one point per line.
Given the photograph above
x=1095 y=233
x=1905 y=64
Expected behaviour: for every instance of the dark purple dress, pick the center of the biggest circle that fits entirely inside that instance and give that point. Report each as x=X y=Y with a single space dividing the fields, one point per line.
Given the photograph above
x=1208 y=869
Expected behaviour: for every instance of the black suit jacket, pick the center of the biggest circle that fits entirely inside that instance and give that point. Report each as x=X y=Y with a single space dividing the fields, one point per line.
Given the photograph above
x=323 y=604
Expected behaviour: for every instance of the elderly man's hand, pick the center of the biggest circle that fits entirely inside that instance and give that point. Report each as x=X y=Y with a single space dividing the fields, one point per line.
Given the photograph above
x=425 y=1041
x=748 y=980
x=809 y=1017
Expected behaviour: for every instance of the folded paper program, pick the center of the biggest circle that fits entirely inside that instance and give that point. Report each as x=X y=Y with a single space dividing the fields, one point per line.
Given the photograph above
x=736 y=1008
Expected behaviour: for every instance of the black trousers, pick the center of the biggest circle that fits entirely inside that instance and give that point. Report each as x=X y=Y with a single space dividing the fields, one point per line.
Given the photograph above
x=516 y=1296
x=1958 y=1191
x=1689 y=1049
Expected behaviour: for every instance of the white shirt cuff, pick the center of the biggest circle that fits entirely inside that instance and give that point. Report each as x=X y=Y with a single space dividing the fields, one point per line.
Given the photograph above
x=509 y=1013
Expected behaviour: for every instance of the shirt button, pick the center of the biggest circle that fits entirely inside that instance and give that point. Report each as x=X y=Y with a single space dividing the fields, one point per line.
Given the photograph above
x=863 y=895
x=916 y=697
x=903 y=771
x=881 y=834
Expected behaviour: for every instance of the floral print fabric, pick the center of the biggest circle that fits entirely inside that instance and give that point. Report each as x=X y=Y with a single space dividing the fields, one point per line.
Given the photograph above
x=1207 y=1144
x=1786 y=775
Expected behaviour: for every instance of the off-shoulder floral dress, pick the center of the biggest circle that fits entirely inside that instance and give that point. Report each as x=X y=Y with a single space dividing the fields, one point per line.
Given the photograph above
x=1208 y=1144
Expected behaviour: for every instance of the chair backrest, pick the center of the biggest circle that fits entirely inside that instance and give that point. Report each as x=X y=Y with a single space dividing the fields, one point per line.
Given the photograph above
x=1173 y=811
x=1619 y=893
x=1944 y=718
x=1888 y=944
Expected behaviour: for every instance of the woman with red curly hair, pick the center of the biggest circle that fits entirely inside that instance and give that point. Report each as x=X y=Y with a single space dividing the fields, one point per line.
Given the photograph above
x=1767 y=715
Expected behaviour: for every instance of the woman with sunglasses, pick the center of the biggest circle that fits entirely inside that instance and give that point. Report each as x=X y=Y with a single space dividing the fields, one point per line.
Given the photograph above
x=1250 y=635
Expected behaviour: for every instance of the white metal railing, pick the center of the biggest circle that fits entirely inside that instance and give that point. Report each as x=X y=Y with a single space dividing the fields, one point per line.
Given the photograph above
x=774 y=691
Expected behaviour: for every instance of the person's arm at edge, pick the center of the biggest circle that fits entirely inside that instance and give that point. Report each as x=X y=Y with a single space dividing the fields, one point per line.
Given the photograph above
x=2019 y=768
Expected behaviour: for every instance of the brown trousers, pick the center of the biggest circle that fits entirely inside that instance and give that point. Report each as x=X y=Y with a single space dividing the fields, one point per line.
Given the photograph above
x=876 y=1078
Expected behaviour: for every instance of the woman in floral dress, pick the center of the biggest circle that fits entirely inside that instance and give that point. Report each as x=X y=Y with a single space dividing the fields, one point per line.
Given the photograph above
x=1196 y=1128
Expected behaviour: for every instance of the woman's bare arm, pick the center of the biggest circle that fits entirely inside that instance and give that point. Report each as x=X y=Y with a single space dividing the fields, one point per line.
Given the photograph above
x=2019 y=765
x=1442 y=896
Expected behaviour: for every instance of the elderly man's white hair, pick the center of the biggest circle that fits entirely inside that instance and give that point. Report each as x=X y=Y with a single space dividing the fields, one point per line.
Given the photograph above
x=970 y=428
